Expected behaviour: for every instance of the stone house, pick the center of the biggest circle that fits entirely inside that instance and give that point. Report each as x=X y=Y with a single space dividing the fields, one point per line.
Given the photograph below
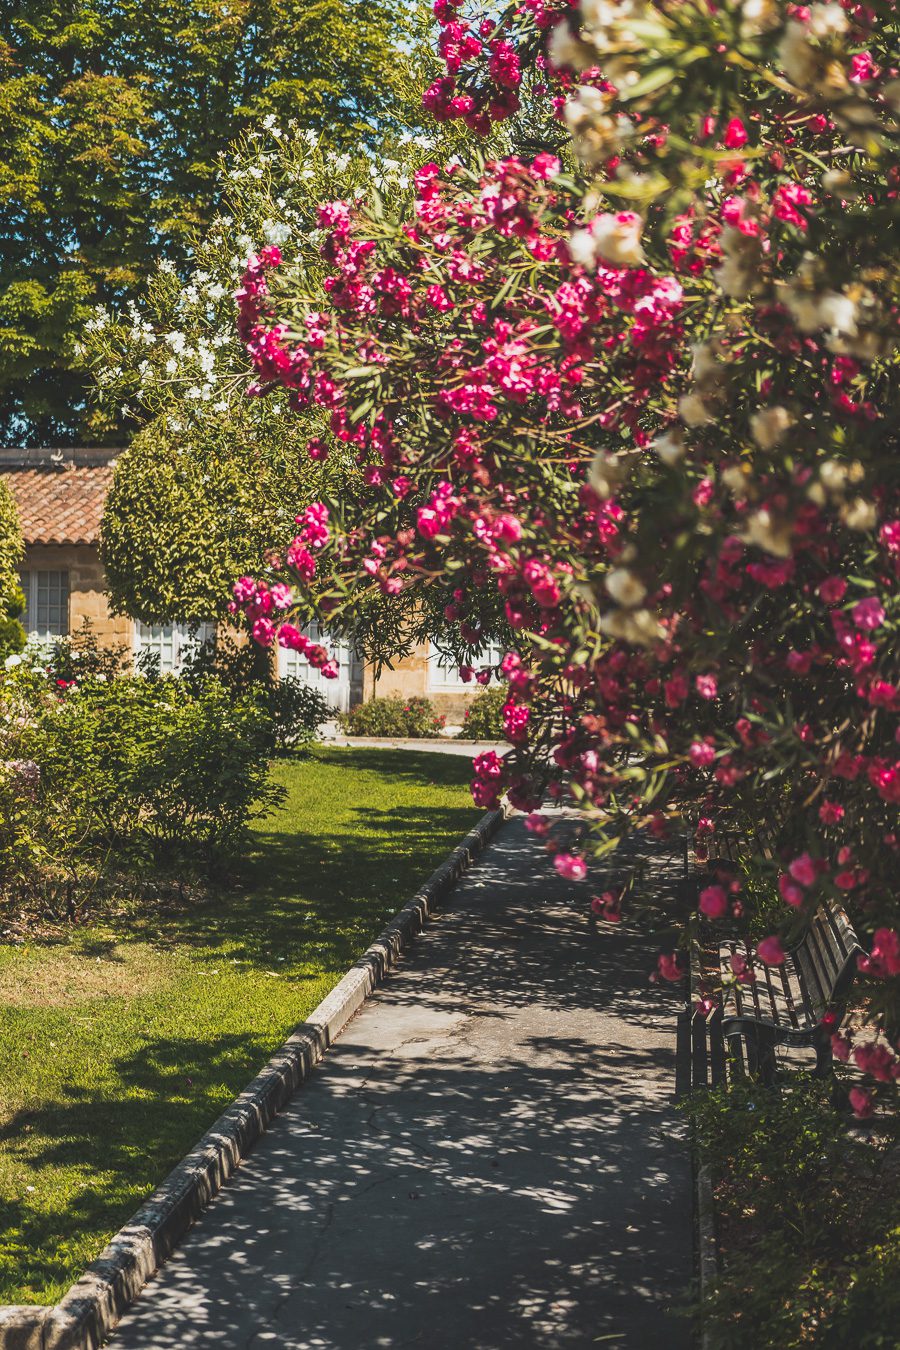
x=61 y=494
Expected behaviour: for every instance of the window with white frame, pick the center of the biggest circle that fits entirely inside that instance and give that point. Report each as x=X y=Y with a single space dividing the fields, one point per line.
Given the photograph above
x=46 y=603
x=171 y=644
x=341 y=693
x=443 y=673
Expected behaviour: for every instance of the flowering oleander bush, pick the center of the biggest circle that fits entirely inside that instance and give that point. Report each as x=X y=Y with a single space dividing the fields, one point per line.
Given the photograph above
x=645 y=415
x=213 y=478
x=393 y=716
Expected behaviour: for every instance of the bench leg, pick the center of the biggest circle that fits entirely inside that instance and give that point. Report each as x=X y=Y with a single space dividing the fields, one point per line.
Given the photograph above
x=760 y=1054
x=824 y=1057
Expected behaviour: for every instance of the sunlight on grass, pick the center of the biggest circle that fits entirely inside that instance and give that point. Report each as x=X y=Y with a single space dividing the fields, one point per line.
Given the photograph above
x=121 y=1043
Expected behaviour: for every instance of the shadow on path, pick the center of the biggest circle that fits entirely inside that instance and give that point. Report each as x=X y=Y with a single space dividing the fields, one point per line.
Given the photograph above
x=489 y=1156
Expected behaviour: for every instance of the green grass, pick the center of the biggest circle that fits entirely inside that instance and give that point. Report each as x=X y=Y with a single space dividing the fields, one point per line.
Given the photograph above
x=121 y=1042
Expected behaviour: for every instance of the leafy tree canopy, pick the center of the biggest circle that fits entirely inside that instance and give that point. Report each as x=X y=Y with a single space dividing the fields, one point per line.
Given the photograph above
x=12 y=601
x=113 y=115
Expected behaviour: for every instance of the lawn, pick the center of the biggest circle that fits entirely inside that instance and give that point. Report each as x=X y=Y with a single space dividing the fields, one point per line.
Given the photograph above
x=122 y=1040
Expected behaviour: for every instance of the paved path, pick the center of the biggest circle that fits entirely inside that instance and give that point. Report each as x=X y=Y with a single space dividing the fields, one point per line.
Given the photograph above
x=489 y=1156
x=440 y=745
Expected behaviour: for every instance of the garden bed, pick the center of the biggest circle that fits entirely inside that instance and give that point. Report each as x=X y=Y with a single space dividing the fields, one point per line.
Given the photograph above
x=124 y=1038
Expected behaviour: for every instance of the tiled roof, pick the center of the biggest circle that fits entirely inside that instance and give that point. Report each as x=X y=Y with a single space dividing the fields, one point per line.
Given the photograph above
x=60 y=505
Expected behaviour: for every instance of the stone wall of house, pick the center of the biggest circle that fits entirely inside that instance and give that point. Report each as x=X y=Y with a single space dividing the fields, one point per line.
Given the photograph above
x=88 y=600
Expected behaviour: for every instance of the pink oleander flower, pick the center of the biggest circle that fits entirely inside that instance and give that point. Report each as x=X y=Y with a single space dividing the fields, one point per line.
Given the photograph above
x=244 y=590
x=282 y=596
x=840 y=1047
x=877 y=1061
x=702 y=754
x=713 y=902
x=669 y=966
x=787 y=202
x=868 y=614
x=263 y=631
x=884 y=959
x=770 y=951
x=791 y=893
x=570 y=866
x=515 y=722
x=537 y=824
x=832 y=590
x=608 y=906
x=804 y=870
x=488 y=769
x=735 y=134
x=676 y=690
x=831 y=813
x=862 y=1103
x=706 y=686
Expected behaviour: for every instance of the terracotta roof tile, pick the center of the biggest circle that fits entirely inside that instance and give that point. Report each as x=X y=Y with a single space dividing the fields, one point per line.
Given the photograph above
x=60 y=506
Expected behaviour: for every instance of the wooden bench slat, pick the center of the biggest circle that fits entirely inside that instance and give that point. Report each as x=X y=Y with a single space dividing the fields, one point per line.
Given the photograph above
x=788 y=997
x=782 y=1004
x=816 y=996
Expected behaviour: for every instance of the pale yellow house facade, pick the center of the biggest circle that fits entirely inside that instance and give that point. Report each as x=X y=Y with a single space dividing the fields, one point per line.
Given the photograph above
x=61 y=495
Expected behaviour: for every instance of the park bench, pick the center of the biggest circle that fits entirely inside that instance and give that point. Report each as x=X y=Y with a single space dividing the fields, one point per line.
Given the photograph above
x=783 y=1005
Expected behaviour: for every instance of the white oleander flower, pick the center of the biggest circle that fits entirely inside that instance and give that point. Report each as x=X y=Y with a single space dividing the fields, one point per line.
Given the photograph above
x=276 y=232
x=859 y=514
x=706 y=366
x=617 y=238
x=582 y=249
x=693 y=411
x=624 y=587
x=605 y=473
x=769 y=425
x=565 y=49
x=827 y=21
x=758 y=16
x=639 y=626
x=769 y=532
x=734 y=476
x=670 y=447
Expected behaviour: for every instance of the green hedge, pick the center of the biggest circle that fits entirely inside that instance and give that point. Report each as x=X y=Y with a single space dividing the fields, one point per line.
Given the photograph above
x=484 y=716
x=112 y=783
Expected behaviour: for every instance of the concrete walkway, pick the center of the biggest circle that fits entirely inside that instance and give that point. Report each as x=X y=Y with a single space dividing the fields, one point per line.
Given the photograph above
x=489 y=1157
x=438 y=745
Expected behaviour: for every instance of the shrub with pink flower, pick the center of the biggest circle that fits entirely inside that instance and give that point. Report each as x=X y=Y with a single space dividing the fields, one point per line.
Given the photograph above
x=648 y=445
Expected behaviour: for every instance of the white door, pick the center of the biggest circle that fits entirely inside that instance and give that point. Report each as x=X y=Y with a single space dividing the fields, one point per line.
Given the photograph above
x=340 y=693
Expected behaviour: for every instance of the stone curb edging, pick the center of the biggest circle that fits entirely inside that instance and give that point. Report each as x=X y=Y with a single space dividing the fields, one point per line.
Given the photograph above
x=707 y=1244
x=86 y=1315
x=704 y=1203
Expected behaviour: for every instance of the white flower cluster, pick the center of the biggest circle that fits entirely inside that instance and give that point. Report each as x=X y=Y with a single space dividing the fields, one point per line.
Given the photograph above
x=613 y=237
x=808 y=52
x=853 y=318
x=709 y=373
